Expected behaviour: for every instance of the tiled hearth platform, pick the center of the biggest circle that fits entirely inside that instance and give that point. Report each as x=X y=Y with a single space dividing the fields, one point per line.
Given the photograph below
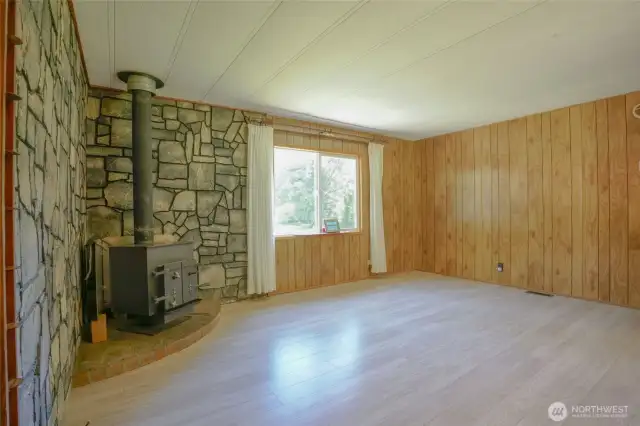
x=124 y=352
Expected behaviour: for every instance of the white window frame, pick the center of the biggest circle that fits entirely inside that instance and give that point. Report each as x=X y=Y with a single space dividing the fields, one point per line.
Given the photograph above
x=318 y=196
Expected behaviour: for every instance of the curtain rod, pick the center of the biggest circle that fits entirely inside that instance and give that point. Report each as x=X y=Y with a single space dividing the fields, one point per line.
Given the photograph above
x=261 y=120
x=327 y=133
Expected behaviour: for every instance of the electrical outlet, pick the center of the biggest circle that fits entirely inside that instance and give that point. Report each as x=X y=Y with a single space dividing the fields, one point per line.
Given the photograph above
x=500 y=267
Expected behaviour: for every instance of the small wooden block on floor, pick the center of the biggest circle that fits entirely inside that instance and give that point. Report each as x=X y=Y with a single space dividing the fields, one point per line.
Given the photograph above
x=99 y=329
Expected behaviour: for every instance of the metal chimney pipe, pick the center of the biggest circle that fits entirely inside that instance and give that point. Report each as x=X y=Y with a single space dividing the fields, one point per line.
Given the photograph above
x=142 y=88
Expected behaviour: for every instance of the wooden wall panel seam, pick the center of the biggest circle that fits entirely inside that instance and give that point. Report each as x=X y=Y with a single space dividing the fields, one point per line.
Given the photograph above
x=590 y=224
x=535 y=203
x=602 y=135
x=576 y=201
x=618 y=200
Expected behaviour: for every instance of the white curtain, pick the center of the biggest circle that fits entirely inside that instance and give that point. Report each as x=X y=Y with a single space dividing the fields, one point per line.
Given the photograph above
x=378 y=250
x=261 y=245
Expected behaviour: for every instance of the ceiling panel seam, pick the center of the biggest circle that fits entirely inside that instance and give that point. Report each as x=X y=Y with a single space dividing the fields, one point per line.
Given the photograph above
x=256 y=30
x=313 y=42
x=382 y=43
x=186 y=24
x=431 y=55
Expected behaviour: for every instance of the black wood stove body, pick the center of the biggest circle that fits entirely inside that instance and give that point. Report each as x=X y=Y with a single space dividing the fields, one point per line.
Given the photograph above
x=155 y=284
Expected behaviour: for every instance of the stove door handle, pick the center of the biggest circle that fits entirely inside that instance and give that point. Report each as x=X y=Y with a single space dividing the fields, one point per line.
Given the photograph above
x=160 y=272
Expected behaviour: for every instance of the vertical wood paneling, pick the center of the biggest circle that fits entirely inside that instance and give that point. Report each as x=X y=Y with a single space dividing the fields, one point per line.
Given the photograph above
x=430 y=213
x=300 y=264
x=485 y=172
x=495 y=205
x=408 y=204
x=547 y=200
x=336 y=145
x=504 y=204
x=633 y=150
x=354 y=257
x=619 y=207
x=291 y=273
x=295 y=140
x=482 y=153
x=589 y=202
x=451 y=205
x=519 y=207
x=602 y=134
x=316 y=272
x=576 y=201
x=535 y=203
x=459 y=206
x=325 y=144
x=479 y=135
x=341 y=268
x=345 y=264
x=280 y=139
x=309 y=260
x=554 y=196
x=561 y=198
x=468 y=205
x=440 y=224
x=420 y=200
x=282 y=267
x=327 y=261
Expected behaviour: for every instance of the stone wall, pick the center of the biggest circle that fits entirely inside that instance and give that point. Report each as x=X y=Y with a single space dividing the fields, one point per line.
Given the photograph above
x=200 y=169
x=50 y=205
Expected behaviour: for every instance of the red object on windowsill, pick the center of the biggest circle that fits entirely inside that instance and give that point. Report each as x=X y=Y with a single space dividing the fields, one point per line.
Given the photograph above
x=324 y=230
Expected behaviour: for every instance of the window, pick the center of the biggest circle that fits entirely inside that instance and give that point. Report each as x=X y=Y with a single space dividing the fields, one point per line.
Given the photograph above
x=312 y=186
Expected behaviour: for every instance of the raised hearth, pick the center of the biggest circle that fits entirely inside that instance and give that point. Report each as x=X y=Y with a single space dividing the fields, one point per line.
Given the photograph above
x=124 y=351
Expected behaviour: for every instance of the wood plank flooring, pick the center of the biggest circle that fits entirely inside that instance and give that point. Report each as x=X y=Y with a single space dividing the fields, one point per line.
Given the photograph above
x=416 y=349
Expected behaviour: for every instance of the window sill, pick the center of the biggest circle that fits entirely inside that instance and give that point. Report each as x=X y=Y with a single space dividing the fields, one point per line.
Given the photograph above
x=320 y=234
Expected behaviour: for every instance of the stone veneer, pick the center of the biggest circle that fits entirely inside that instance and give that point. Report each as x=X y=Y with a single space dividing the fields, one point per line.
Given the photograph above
x=200 y=169
x=50 y=206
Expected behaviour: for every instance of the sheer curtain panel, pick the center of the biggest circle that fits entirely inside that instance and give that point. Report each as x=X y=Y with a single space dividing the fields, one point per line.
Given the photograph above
x=378 y=251
x=261 y=246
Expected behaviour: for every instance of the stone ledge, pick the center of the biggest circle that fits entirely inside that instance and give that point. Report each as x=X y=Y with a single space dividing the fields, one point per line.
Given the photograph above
x=124 y=352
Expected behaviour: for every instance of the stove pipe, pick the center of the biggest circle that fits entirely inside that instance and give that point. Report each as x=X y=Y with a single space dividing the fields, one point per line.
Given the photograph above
x=142 y=87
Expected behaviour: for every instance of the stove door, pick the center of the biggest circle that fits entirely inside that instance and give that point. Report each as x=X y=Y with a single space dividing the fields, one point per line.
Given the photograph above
x=173 y=285
x=190 y=273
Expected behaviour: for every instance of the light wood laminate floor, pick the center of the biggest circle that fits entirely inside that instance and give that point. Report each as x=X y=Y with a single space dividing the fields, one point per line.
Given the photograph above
x=417 y=349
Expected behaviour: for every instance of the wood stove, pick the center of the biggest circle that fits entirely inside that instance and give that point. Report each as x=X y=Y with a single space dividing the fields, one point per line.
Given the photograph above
x=151 y=283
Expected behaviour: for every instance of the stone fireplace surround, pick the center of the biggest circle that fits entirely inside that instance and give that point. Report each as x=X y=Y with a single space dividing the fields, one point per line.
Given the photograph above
x=200 y=172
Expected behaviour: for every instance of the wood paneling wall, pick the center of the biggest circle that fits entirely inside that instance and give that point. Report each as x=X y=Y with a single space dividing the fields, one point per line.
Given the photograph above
x=304 y=262
x=554 y=196
x=401 y=205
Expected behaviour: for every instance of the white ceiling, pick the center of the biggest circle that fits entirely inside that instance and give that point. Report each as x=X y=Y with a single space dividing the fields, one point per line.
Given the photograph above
x=408 y=68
